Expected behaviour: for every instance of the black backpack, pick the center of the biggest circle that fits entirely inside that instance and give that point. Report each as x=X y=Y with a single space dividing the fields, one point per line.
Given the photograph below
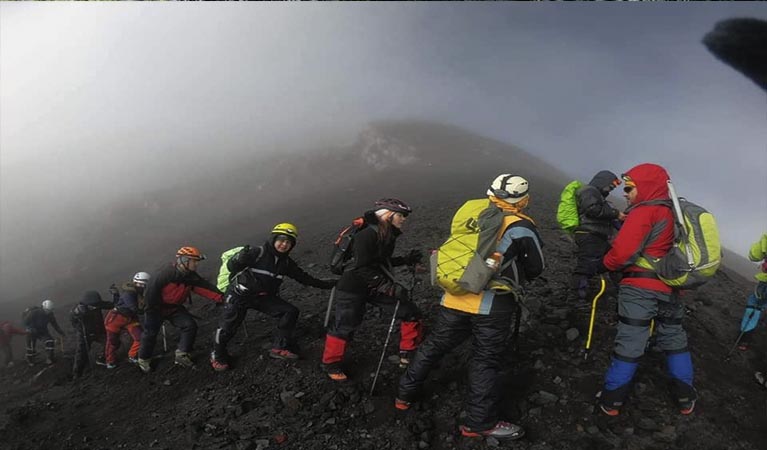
x=342 y=246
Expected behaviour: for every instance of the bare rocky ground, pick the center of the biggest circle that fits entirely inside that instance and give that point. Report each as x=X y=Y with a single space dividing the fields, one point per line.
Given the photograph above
x=548 y=386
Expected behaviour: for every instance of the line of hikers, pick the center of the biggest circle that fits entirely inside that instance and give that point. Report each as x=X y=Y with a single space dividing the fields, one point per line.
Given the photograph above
x=493 y=251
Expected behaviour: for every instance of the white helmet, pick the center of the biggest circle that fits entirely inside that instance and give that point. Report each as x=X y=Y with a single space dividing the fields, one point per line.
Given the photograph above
x=48 y=305
x=509 y=188
x=141 y=279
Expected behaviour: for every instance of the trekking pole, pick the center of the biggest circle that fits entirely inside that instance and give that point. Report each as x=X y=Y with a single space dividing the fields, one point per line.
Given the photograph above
x=164 y=340
x=330 y=306
x=91 y=358
x=245 y=329
x=386 y=344
x=587 y=349
x=740 y=336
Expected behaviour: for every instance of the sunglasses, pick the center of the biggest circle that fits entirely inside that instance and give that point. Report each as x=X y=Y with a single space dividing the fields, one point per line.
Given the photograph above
x=628 y=189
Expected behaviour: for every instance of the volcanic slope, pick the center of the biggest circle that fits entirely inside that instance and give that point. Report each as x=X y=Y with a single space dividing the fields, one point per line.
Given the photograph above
x=262 y=403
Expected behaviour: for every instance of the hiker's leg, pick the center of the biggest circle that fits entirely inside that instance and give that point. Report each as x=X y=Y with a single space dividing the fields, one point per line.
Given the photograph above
x=489 y=336
x=233 y=314
x=672 y=339
x=636 y=309
x=350 y=310
x=134 y=329
x=152 y=326
x=286 y=313
x=187 y=326
x=451 y=327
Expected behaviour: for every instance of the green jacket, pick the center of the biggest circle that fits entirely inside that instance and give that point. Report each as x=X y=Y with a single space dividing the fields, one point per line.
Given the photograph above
x=757 y=253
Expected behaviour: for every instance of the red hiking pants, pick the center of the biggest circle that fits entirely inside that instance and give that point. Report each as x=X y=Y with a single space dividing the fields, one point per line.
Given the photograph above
x=114 y=322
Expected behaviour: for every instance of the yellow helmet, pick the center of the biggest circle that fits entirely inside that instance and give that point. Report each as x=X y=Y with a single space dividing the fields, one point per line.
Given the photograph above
x=287 y=229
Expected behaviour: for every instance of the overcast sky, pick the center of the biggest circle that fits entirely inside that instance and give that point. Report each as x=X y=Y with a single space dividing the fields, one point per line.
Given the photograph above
x=97 y=99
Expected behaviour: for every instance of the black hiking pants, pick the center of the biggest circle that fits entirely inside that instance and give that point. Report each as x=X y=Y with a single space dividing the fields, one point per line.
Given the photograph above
x=350 y=309
x=180 y=318
x=84 y=342
x=591 y=248
x=33 y=334
x=236 y=308
x=489 y=335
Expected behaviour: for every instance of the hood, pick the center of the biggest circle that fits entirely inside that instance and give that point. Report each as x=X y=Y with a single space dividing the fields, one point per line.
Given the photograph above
x=91 y=298
x=603 y=180
x=650 y=180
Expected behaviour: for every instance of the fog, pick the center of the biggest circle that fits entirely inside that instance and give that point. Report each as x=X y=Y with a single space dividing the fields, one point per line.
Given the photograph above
x=101 y=102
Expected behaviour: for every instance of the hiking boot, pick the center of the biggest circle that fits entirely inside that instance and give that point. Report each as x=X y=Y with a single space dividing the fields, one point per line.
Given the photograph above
x=743 y=347
x=281 y=353
x=761 y=379
x=133 y=360
x=183 y=359
x=405 y=356
x=218 y=364
x=335 y=372
x=501 y=430
x=687 y=407
x=110 y=365
x=402 y=405
x=10 y=364
x=144 y=364
x=609 y=410
x=49 y=361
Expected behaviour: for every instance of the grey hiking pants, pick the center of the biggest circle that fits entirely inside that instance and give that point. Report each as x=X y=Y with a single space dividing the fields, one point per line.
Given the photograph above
x=637 y=307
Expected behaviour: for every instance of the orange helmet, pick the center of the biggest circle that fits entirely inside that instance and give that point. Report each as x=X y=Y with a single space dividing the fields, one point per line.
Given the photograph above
x=190 y=252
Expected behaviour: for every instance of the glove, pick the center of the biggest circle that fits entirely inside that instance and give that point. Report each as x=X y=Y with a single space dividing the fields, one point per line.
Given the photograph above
x=113 y=290
x=600 y=268
x=414 y=257
x=329 y=283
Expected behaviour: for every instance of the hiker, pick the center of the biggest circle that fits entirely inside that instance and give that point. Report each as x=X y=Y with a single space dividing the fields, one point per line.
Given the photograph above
x=758 y=252
x=36 y=320
x=7 y=330
x=485 y=317
x=595 y=227
x=256 y=277
x=367 y=279
x=164 y=295
x=642 y=297
x=88 y=323
x=124 y=316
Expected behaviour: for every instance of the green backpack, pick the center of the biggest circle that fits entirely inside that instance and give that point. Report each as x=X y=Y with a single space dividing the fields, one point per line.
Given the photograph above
x=567 y=210
x=458 y=266
x=224 y=277
x=696 y=254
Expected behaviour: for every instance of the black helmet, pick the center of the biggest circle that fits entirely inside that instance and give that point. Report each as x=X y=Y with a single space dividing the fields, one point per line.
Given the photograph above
x=392 y=204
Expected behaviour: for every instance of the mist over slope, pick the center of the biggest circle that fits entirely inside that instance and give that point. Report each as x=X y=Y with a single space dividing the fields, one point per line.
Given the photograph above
x=421 y=162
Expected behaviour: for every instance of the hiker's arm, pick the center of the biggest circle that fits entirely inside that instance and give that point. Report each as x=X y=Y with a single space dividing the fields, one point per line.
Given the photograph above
x=628 y=243
x=242 y=259
x=204 y=288
x=594 y=206
x=521 y=241
x=298 y=274
x=758 y=250
x=56 y=326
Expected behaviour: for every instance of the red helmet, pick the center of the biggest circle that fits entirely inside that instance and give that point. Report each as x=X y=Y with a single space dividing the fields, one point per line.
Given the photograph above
x=190 y=252
x=392 y=204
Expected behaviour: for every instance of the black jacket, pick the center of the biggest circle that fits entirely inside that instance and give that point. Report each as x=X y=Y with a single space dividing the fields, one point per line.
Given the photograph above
x=36 y=319
x=86 y=317
x=262 y=274
x=596 y=214
x=369 y=255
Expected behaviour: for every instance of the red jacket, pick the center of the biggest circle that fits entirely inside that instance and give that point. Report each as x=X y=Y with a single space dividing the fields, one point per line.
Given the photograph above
x=171 y=287
x=648 y=229
x=7 y=330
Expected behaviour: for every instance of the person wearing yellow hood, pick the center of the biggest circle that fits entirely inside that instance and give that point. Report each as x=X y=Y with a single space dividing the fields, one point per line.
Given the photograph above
x=485 y=317
x=758 y=300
